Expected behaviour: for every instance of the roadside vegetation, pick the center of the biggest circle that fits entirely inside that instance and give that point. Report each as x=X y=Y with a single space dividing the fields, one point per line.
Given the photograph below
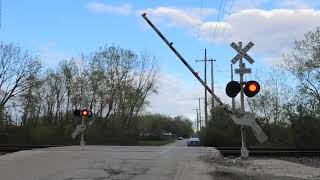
x=288 y=106
x=37 y=104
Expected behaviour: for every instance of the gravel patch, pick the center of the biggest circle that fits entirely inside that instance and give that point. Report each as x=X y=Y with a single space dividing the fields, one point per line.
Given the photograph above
x=260 y=166
x=307 y=161
x=238 y=162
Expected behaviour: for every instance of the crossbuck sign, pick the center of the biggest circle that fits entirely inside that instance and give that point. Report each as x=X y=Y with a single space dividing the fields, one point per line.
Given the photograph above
x=242 y=53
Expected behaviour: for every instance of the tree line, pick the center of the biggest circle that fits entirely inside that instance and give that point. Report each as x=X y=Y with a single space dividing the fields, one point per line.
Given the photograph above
x=37 y=103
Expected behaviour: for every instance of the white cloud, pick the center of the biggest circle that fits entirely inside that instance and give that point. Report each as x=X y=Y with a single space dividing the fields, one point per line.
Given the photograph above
x=123 y=9
x=272 y=31
x=177 y=16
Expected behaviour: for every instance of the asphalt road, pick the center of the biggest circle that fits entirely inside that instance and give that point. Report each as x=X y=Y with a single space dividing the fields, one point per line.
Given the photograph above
x=174 y=161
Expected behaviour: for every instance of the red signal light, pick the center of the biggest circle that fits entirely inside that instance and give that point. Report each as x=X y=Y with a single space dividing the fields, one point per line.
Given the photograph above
x=251 y=88
x=85 y=113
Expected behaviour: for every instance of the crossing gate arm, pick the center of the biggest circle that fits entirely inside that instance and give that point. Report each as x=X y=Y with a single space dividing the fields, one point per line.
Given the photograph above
x=144 y=15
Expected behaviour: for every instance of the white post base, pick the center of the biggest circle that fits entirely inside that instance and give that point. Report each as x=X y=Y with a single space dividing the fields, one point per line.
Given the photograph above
x=244 y=153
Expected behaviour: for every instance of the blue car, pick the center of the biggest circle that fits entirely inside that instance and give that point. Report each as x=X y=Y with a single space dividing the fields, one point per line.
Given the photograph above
x=193 y=142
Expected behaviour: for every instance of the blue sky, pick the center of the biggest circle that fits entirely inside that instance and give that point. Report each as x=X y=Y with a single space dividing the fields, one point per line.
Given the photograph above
x=60 y=29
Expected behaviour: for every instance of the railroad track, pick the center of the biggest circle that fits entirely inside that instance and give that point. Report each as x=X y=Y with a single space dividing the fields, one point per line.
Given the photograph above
x=272 y=151
x=8 y=148
x=225 y=151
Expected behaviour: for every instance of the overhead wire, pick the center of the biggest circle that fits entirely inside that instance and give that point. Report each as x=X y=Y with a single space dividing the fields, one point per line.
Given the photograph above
x=218 y=17
x=228 y=13
x=221 y=17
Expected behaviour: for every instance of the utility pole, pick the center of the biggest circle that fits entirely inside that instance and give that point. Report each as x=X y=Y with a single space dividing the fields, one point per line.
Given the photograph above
x=199 y=109
x=205 y=90
x=205 y=81
x=212 y=86
x=277 y=112
x=233 y=101
x=197 y=121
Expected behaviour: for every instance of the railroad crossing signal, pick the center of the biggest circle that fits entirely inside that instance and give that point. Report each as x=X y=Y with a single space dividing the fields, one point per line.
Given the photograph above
x=250 y=89
x=242 y=53
x=84 y=113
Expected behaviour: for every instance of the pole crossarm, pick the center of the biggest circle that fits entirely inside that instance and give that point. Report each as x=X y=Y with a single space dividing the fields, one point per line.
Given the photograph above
x=144 y=15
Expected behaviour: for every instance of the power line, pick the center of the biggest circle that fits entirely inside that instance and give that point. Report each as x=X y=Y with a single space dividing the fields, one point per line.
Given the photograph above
x=200 y=19
x=221 y=16
x=228 y=13
x=218 y=17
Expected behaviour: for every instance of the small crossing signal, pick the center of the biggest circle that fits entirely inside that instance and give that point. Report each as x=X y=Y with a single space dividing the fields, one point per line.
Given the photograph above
x=251 y=88
x=83 y=113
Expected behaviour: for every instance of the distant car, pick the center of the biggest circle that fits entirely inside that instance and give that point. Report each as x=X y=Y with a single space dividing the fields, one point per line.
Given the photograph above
x=180 y=138
x=193 y=142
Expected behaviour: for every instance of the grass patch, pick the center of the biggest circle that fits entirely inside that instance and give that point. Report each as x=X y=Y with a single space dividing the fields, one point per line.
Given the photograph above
x=155 y=143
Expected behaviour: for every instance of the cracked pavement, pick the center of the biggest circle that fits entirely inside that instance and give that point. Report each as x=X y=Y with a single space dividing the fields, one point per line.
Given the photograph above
x=173 y=161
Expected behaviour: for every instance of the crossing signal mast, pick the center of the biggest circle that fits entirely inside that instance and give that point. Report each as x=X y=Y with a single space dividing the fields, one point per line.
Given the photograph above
x=83 y=114
x=250 y=89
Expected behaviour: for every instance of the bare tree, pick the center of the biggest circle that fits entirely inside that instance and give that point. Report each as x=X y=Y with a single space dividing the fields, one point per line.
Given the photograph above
x=276 y=90
x=304 y=64
x=16 y=67
x=122 y=81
